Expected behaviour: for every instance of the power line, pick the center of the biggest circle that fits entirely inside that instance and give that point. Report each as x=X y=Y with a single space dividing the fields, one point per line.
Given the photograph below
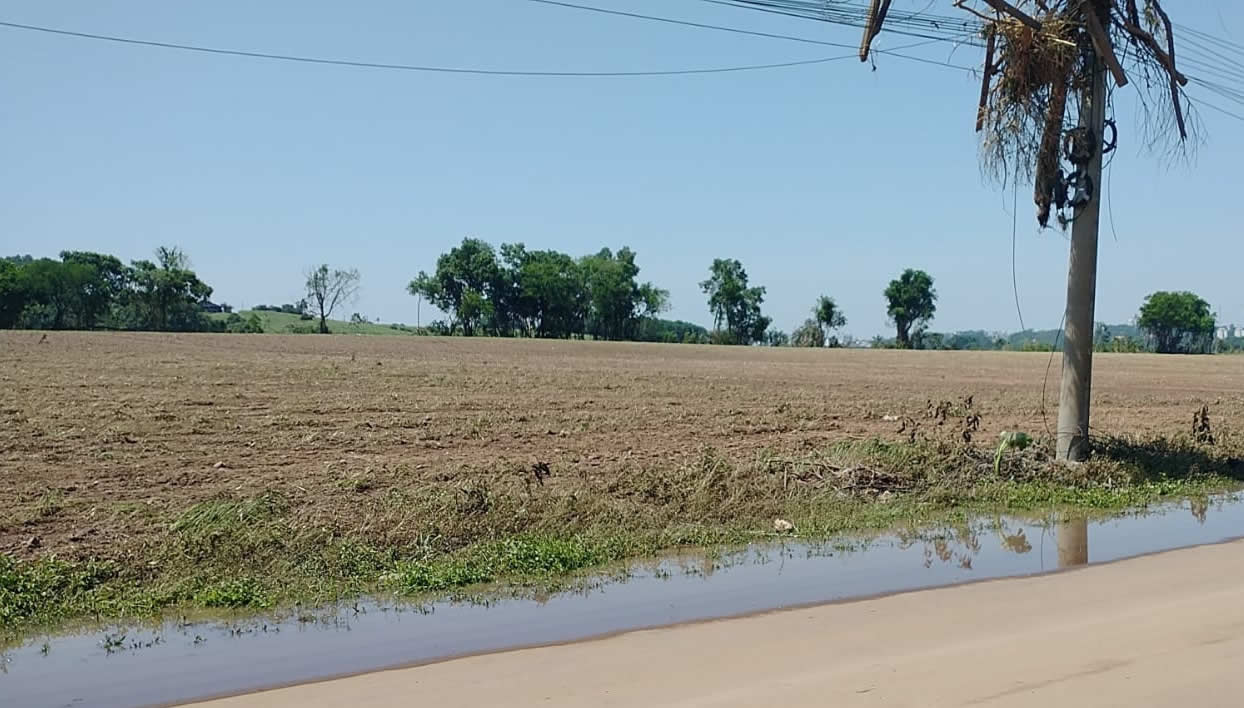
x=768 y=35
x=687 y=23
x=412 y=67
x=1207 y=104
x=915 y=24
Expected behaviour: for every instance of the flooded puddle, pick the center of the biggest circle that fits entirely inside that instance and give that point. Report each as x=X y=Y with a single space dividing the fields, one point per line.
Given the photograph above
x=171 y=663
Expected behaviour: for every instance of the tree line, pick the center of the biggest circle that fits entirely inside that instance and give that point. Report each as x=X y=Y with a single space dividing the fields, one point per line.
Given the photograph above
x=545 y=294
x=85 y=290
x=514 y=291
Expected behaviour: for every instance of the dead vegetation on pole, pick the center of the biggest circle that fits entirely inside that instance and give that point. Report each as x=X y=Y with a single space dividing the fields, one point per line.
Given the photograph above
x=1040 y=54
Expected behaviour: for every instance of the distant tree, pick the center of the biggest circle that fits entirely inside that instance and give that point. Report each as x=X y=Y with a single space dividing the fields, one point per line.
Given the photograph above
x=166 y=296
x=734 y=304
x=828 y=316
x=12 y=293
x=467 y=284
x=543 y=293
x=809 y=334
x=1177 y=322
x=103 y=287
x=326 y=289
x=617 y=303
x=660 y=330
x=911 y=301
x=550 y=298
x=66 y=294
x=237 y=324
x=777 y=338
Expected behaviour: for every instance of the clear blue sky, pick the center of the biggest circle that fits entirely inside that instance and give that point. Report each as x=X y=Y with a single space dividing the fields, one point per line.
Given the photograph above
x=821 y=179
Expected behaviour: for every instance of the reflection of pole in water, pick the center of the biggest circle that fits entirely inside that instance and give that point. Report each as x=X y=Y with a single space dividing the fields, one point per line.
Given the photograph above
x=1072 y=538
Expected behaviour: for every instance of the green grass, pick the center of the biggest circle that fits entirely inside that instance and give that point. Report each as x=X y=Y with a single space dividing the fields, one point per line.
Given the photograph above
x=495 y=526
x=285 y=323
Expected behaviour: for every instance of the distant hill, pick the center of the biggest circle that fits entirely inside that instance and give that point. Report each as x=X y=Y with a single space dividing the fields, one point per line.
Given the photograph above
x=1052 y=336
x=286 y=323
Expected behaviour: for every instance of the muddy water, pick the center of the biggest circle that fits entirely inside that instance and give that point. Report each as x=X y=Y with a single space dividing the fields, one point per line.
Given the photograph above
x=174 y=663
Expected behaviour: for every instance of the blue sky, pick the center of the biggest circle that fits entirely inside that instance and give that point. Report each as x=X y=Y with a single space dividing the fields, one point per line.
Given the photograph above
x=825 y=179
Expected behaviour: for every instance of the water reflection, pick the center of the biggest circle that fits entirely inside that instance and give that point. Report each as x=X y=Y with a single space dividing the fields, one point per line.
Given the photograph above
x=1072 y=537
x=194 y=660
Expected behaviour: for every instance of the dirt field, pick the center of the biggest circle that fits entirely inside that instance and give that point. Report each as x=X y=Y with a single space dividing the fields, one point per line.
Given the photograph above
x=105 y=426
x=105 y=435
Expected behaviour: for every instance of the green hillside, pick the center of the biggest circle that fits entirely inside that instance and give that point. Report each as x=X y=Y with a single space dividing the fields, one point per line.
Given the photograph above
x=285 y=323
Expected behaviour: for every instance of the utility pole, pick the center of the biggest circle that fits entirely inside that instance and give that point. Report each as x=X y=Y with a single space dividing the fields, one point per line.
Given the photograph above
x=1071 y=536
x=1077 y=382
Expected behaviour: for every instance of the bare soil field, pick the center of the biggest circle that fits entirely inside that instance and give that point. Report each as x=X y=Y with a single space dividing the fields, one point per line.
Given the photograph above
x=103 y=433
x=140 y=472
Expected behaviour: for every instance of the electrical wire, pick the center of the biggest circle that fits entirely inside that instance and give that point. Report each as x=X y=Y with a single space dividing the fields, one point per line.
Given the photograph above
x=914 y=24
x=769 y=35
x=412 y=67
x=1015 y=237
x=687 y=23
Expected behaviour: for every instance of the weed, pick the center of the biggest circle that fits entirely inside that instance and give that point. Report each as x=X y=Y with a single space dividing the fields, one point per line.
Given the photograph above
x=234 y=594
x=357 y=485
x=222 y=515
x=465 y=526
x=50 y=503
x=525 y=557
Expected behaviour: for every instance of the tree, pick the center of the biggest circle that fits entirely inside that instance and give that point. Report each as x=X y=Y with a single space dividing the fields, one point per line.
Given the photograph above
x=828 y=316
x=809 y=334
x=167 y=297
x=734 y=304
x=777 y=338
x=466 y=278
x=617 y=303
x=549 y=295
x=912 y=301
x=12 y=293
x=326 y=289
x=60 y=295
x=1177 y=322
x=106 y=283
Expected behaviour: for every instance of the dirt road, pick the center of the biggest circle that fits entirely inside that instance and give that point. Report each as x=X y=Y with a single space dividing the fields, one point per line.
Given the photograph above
x=1156 y=631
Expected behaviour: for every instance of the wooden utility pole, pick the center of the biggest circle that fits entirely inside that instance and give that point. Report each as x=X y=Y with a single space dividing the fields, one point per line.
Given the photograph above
x=1077 y=383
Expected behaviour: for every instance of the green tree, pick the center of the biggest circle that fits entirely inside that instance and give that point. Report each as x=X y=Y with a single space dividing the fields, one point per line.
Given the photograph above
x=734 y=304
x=659 y=330
x=327 y=288
x=777 y=338
x=55 y=295
x=911 y=301
x=467 y=282
x=617 y=303
x=165 y=297
x=12 y=293
x=549 y=295
x=809 y=334
x=1177 y=322
x=828 y=316
x=105 y=284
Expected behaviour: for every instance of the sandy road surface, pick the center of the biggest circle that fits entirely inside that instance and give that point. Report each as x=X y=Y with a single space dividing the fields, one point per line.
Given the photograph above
x=1162 y=630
